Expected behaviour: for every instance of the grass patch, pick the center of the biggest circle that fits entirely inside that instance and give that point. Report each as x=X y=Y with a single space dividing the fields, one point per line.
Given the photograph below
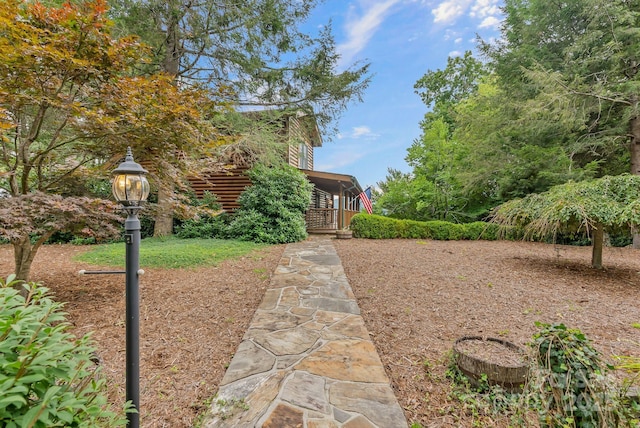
x=171 y=252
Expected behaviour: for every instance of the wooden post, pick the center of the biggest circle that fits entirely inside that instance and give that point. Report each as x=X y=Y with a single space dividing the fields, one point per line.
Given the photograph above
x=341 y=209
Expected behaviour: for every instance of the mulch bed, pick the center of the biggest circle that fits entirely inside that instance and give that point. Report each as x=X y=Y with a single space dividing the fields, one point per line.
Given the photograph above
x=417 y=297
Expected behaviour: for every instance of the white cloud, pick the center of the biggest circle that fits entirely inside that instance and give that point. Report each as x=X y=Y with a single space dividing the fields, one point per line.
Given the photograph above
x=360 y=29
x=458 y=40
x=490 y=22
x=363 y=132
x=451 y=34
x=484 y=8
x=455 y=53
x=448 y=11
x=488 y=11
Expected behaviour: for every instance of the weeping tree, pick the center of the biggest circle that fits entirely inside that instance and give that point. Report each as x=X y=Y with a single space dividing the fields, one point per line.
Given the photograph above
x=608 y=204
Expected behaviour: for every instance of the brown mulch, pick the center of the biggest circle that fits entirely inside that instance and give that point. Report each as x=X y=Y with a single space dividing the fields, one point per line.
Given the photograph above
x=191 y=323
x=417 y=297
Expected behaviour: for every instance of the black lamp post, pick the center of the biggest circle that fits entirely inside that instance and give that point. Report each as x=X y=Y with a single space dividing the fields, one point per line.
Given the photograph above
x=131 y=188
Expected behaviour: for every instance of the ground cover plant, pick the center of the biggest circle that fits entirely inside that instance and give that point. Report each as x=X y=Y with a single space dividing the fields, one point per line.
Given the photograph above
x=417 y=297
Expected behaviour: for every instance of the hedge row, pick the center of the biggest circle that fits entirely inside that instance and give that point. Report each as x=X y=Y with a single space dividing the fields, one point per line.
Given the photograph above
x=379 y=227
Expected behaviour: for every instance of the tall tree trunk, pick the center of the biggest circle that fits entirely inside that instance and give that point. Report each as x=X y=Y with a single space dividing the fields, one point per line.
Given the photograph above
x=164 y=217
x=598 y=241
x=634 y=126
x=171 y=64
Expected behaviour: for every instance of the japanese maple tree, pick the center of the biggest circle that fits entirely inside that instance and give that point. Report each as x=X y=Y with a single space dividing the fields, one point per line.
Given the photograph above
x=69 y=105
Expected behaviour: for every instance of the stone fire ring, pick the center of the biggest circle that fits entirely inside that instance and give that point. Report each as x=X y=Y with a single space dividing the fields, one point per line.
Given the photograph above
x=510 y=376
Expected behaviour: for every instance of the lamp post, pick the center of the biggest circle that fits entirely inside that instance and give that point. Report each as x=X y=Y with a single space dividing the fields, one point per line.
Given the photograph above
x=131 y=188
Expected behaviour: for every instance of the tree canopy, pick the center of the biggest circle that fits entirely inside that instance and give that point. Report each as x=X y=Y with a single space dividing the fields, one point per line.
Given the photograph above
x=69 y=105
x=554 y=99
x=253 y=53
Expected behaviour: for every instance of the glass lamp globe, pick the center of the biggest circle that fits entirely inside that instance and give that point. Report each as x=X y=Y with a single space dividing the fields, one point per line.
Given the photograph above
x=130 y=186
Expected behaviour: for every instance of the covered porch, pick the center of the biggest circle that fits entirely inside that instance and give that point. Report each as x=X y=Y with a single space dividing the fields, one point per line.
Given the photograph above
x=334 y=201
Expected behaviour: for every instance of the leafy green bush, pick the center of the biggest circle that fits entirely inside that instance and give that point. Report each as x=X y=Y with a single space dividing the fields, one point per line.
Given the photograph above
x=373 y=227
x=47 y=378
x=204 y=227
x=272 y=208
x=380 y=227
x=206 y=221
x=412 y=229
x=480 y=230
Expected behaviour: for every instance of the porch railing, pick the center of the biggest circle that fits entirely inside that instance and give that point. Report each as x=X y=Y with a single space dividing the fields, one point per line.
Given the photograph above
x=326 y=218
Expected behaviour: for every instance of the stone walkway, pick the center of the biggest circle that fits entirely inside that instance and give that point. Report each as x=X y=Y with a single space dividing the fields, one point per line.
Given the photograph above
x=306 y=360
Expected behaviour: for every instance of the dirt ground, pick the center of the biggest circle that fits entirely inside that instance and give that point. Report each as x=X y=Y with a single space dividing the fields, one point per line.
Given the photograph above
x=417 y=298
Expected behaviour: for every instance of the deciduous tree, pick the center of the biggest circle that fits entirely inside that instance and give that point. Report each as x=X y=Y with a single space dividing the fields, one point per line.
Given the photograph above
x=68 y=109
x=575 y=64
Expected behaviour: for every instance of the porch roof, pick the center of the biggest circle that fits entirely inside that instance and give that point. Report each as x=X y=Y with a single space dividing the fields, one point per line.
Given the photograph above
x=333 y=183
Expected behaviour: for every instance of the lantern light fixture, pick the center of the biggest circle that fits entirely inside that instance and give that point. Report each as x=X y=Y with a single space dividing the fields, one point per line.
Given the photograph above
x=130 y=186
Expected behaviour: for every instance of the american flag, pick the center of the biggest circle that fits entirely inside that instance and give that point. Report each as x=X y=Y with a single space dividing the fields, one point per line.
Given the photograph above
x=365 y=197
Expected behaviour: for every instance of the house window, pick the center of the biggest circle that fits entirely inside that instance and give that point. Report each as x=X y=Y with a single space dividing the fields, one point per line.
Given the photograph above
x=303 y=156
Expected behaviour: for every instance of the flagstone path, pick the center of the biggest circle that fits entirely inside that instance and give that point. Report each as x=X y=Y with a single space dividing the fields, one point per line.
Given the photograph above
x=307 y=360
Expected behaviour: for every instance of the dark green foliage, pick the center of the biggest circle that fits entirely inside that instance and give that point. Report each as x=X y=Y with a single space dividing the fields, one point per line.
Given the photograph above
x=209 y=222
x=272 y=208
x=374 y=227
x=147 y=224
x=443 y=231
x=252 y=225
x=204 y=227
x=47 y=378
x=67 y=237
x=480 y=229
x=379 y=227
x=253 y=52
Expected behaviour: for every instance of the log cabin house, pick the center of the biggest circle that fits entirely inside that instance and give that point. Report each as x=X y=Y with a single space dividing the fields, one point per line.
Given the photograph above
x=334 y=198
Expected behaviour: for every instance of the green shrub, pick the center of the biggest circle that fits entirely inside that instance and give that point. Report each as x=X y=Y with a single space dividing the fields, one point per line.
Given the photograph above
x=204 y=227
x=380 y=227
x=440 y=229
x=272 y=209
x=47 y=378
x=373 y=227
x=413 y=229
x=480 y=230
x=206 y=222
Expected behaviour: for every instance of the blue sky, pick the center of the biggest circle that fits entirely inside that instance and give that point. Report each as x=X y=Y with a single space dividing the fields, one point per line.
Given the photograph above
x=402 y=39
